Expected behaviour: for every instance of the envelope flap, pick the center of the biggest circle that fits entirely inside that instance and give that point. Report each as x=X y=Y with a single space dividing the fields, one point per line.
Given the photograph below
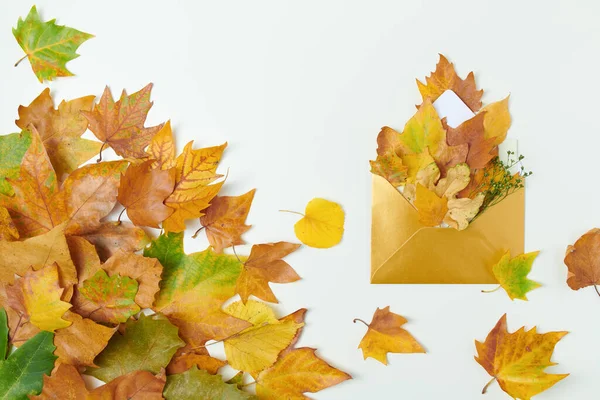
x=394 y=220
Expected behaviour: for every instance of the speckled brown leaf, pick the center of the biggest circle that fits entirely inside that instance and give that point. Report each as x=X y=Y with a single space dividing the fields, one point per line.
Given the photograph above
x=121 y=124
x=225 y=220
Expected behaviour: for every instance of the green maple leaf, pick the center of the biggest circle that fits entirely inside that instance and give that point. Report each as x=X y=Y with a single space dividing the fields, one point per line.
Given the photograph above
x=22 y=373
x=147 y=345
x=12 y=149
x=47 y=45
x=198 y=384
x=207 y=273
x=512 y=274
x=112 y=296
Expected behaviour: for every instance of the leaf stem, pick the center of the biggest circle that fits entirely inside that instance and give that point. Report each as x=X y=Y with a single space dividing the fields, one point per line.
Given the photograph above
x=485 y=388
x=292 y=212
x=21 y=59
x=493 y=290
x=120 y=214
x=597 y=291
x=236 y=256
x=358 y=319
x=195 y=235
x=100 y=154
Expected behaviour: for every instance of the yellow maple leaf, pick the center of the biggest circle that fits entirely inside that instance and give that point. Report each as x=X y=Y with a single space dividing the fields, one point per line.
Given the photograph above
x=257 y=347
x=321 y=225
x=37 y=297
x=196 y=169
x=432 y=208
x=517 y=360
x=295 y=373
x=162 y=148
x=385 y=335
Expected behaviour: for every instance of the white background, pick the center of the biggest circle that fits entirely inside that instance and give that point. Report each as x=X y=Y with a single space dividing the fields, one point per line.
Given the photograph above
x=300 y=90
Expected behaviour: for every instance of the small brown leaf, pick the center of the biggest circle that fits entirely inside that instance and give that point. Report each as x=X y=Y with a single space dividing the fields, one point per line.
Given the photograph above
x=225 y=220
x=265 y=265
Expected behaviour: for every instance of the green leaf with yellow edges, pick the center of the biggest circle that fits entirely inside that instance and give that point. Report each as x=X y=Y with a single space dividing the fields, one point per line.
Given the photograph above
x=48 y=46
x=512 y=273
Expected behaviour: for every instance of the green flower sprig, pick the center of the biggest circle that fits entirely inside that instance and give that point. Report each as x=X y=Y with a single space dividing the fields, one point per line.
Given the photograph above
x=499 y=181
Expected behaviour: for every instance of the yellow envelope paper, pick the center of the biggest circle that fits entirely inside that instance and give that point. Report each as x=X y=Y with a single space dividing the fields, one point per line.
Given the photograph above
x=405 y=251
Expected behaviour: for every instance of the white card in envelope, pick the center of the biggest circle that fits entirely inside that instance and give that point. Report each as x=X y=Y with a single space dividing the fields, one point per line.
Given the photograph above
x=449 y=105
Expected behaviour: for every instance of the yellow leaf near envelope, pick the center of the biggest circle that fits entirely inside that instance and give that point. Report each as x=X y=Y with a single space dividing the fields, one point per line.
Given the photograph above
x=404 y=250
x=496 y=120
x=431 y=208
x=322 y=224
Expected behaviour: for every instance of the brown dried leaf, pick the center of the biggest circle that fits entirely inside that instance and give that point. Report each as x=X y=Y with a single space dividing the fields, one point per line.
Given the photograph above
x=265 y=265
x=143 y=191
x=225 y=220
x=121 y=124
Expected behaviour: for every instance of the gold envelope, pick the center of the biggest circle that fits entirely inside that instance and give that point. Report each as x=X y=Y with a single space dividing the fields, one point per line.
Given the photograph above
x=405 y=251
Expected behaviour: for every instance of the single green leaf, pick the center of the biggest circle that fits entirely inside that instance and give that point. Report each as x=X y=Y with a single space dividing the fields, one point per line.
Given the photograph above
x=207 y=273
x=196 y=384
x=111 y=296
x=512 y=274
x=23 y=372
x=12 y=149
x=147 y=345
x=47 y=45
x=3 y=334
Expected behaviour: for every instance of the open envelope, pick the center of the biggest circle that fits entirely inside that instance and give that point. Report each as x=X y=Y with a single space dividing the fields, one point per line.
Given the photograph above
x=405 y=251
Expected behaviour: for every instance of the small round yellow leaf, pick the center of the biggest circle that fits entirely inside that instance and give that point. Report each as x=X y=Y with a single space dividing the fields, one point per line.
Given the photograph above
x=322 y=225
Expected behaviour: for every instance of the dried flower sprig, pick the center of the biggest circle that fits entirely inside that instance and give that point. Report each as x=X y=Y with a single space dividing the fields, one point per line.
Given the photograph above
x=499 y=181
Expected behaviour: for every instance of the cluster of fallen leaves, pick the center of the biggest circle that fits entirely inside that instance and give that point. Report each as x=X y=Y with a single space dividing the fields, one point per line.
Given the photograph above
x=442 y=170
x=73 y=282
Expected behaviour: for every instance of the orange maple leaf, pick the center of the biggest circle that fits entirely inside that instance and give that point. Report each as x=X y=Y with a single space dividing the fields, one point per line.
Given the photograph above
x=120 y=124
x=518 y=360
x=225 y=220
x=445 y=78
x=265 y=265
x=385 y=335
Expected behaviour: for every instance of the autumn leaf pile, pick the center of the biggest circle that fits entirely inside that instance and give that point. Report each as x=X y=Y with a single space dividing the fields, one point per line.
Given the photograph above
x=73 y=282
x=446 y=172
